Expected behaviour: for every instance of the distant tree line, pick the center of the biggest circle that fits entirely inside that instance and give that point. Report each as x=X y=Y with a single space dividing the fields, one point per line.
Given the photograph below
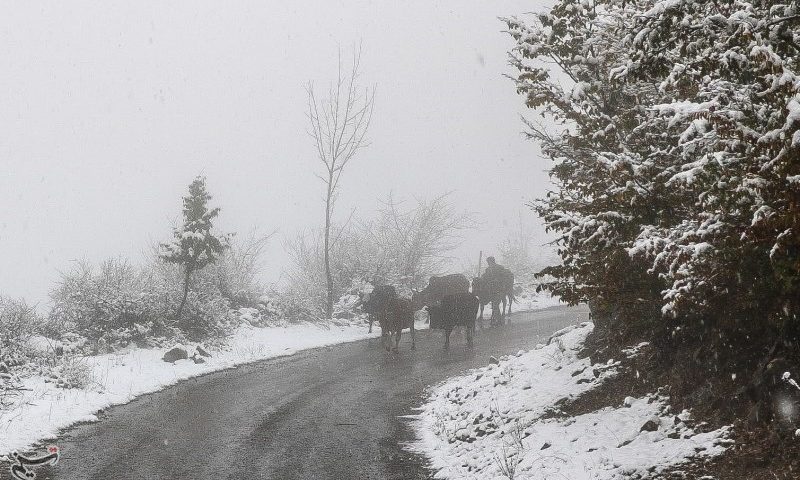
x=400 y=245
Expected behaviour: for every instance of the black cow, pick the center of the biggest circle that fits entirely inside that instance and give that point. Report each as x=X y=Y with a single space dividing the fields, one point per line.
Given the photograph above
x=455 y=310
x=495 y=290
x=438 y=288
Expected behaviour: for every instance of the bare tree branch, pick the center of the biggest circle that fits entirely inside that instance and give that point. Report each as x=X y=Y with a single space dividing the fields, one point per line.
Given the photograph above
x=338 y=125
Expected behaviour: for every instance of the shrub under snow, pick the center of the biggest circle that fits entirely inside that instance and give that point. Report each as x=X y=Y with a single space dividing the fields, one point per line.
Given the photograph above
x=18 y=322
x=502 y=421
x=117 y=304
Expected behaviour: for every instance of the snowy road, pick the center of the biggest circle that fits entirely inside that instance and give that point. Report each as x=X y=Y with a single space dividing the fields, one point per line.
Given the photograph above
x=323 y=413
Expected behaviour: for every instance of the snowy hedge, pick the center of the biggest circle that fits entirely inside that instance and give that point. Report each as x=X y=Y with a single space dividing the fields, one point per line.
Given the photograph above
x=675 y=155
x=18 y=323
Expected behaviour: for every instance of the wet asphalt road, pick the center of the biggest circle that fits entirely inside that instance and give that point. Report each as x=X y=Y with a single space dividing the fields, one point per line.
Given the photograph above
x=329 y=413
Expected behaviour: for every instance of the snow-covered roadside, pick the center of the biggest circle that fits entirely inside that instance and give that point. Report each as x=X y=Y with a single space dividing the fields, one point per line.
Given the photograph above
x=530 y=300
x=491 y=423
x=527 y=299
x=42 y=409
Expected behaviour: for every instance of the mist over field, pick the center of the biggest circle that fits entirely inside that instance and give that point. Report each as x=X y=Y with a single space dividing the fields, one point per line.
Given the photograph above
x=400 y=240
x=111 y=109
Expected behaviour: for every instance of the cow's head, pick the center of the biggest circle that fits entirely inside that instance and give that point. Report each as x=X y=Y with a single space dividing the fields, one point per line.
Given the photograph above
x=476 y=285
x=419 y=299
x=416 y=299
x=381 y=295
x=364 y=299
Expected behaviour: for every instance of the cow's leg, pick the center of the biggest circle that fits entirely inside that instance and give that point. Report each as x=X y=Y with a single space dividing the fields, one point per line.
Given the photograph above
x=503 y=311
x=398 y=334
x=495 y=313
x=447 y=331
x=371 y=319
x=480 y=314
x=386 y=339
x=413 y=336
x=470 y=333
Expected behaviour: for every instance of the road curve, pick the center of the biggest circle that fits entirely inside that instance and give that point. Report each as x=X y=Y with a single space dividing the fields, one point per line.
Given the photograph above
x=328 y=413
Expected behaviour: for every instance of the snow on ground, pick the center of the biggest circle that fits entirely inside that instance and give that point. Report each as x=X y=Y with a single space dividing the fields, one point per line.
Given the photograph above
x=530 y=300
x=527 y=299
x=43 y=409
x=501 y=421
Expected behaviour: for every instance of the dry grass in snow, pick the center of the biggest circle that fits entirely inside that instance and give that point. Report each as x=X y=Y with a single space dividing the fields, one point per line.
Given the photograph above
x=499 y=422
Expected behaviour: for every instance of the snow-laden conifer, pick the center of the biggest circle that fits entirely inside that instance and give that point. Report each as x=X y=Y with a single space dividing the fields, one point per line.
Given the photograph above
x=194 y=246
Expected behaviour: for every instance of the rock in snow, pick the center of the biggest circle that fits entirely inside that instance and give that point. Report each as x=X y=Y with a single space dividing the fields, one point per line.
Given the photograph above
x=650 y=426
x=202 y=351
x=175 y=353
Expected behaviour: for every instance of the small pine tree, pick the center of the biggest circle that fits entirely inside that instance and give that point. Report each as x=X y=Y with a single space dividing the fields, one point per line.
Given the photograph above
x=194 y=246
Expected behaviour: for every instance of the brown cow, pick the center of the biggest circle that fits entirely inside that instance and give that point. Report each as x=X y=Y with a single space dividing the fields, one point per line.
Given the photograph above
x=400 y=316
x=370 y=302
x=393 y=314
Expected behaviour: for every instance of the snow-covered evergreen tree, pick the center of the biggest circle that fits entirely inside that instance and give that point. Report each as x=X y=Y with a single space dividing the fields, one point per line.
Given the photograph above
x=194 y=246
x=601 y=167
x=676 y=163
x=728 y=71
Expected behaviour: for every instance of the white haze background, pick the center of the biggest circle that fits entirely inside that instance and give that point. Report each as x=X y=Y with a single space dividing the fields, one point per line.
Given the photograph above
x=109 y=109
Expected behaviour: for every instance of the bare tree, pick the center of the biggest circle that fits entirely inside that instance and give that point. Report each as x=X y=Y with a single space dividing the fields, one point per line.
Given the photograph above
x=401 y=245
x=417 y=241
x=237 y=272
x=515 y=250
x=339 y=125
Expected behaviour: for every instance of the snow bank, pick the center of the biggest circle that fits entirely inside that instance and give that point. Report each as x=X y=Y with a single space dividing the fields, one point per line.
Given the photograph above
x=529 y=299
x=492 y=423
x=526 y=299
x=42 y=409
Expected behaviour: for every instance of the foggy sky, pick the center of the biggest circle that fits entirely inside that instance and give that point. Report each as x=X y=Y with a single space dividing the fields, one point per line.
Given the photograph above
x=110 y=109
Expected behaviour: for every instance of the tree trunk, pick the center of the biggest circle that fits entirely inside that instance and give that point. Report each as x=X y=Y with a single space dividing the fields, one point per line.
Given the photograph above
x=328 y=277
x=185 y=293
